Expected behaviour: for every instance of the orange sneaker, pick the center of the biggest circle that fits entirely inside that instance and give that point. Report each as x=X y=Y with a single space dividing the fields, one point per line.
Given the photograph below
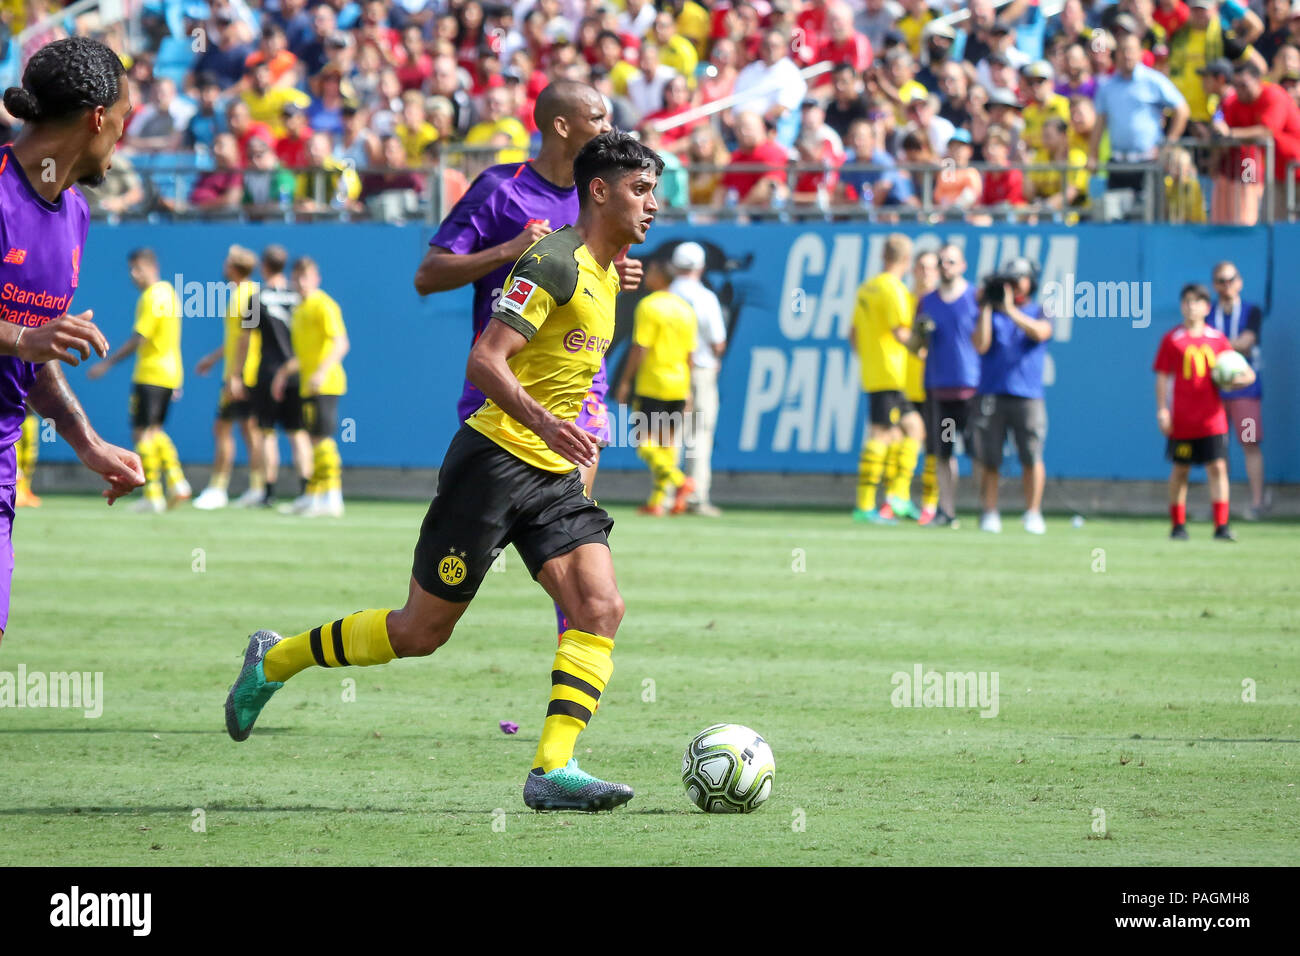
x=887 y=512
x=654 y=511
x=24 y=498
x=684 y=491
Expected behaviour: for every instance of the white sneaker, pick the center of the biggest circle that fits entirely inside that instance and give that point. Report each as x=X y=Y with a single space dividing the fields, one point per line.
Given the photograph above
x=148 y=506
x=1034 y=523
x=991 y=521
x=252 y=498
x=705 y=509
x=178 y=493
x=210 y=499
x=329 y=505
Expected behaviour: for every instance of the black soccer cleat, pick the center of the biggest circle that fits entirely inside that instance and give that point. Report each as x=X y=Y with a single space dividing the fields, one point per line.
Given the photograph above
x=1178 y=533
x=1224 y=533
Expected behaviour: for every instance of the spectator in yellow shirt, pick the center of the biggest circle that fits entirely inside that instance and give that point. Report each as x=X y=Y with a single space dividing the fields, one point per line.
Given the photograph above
x=675 y=50
x=1057 y=189
x=266 y=102
x=1044 y=103
x=498 y=123
x=415 y=131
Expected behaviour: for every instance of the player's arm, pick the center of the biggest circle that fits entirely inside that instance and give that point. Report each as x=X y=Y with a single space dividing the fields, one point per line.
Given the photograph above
x=209 y=361
x=982 y=337
x=635 y=356
x=281 y=377
x=52 y=398
x=126 y=350
x=443 y=269
x=488 y=368
x=339 y=346
x=54 y=339
x=1163 y=416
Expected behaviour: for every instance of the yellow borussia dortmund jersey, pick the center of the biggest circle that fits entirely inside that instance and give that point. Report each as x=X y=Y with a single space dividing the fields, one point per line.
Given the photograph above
x=315 y=329
x=269 y=107
x=883 y=305
x=562 y=301
x=1189 y=81
x=664 y=324
x=1051 y=182
x=158 y=322
x=1035 y=116
x=236 y=315
x=914 y=381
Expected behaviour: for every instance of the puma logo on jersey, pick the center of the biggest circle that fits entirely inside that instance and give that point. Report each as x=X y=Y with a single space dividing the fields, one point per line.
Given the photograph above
x=540 y=257
x=589 y=292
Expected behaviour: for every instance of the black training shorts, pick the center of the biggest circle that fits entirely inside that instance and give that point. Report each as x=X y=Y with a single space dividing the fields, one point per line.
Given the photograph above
x=270 y=413
x=320 y=415
x=886 y=409
x=1197 y=451
x=488 y=498
x=148 y=405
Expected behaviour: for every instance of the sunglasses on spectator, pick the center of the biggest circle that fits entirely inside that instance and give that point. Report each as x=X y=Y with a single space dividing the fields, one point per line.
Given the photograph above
x=947 y=262
x=1224 y=280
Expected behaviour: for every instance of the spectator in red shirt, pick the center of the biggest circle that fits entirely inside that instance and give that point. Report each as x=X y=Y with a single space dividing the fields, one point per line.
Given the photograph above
x=417 y=65
x=813 y=21
x=756 y=145
x=223 y=187
x=842 y=43
x=677 y=100
x=241 y=124
x=291 y=148
x=373 y=30
x=1258 y=109
x=1170 y=14
x=1002 y=186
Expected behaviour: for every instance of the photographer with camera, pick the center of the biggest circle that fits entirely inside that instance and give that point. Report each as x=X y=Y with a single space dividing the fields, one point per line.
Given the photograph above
x=1011 y=338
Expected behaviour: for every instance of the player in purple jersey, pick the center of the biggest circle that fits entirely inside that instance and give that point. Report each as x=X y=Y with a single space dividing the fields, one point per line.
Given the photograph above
x=73 y=105
x=508 y=208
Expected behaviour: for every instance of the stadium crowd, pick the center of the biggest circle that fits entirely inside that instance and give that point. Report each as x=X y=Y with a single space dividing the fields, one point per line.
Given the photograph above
x=963 y=108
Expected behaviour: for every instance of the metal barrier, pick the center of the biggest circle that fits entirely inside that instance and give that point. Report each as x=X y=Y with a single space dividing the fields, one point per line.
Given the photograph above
x=1216 y=181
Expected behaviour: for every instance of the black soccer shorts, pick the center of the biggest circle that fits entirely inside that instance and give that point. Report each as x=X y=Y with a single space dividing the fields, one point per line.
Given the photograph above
x=287 y=413
x=320 y=415
x=1197 y=451
x=886 y=409
x=488 y=498
x=148 y=405
x=945 y=419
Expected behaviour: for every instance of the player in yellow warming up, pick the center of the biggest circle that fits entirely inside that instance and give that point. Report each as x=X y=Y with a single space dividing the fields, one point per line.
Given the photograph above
x=510 y=476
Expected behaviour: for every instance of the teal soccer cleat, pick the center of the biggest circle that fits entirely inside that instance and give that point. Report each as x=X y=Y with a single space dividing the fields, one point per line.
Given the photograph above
x=251 y=690
x=874 y=516
x=571 y=788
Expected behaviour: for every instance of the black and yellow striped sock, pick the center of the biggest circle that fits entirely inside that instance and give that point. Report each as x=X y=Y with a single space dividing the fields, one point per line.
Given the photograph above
x=171 y=462
x=581 y=670
x=906 y=454
x=930 y=484
x=358 y=640
x=147 y=449
x=331 y=465
x=871 y=468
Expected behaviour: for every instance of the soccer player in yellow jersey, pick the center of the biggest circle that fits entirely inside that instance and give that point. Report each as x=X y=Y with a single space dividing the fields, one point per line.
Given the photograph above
x=320 y=341
x=925 y=279
x=882 y=327
x=239 y=356
x=510 y=476
x=156 y=344
x=26 y=449
x=659 y=359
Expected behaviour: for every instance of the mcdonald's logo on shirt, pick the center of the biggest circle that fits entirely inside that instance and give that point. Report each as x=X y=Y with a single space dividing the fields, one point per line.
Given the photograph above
x=1199 y=359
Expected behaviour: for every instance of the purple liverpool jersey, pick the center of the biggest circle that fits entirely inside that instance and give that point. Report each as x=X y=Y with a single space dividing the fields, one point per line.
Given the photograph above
x=502 y=201
x=40 y=257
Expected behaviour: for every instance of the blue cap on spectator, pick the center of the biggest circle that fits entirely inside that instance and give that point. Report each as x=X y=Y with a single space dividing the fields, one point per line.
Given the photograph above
x=960 y=135
x=196 y=10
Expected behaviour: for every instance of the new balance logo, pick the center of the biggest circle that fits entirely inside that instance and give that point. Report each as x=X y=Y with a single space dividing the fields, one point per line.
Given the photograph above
x=16 y=256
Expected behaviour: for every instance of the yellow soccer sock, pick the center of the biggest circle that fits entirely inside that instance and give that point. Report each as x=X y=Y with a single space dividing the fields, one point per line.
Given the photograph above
x=650 y=455
x=332 y=466
x=891 y=467
x=930 y=484
x=147 y=449
x=316 y=485
x=871 y=467
x=581 y=670
x=27 y=446
x=909 y=450
x=171 y=462
x=358 y=640
x=219 y=480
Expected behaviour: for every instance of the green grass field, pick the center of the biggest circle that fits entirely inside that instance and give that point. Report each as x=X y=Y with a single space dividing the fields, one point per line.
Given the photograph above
x=1120 y=691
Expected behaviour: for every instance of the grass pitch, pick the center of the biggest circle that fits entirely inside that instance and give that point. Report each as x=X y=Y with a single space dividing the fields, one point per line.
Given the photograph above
x=1121 y=737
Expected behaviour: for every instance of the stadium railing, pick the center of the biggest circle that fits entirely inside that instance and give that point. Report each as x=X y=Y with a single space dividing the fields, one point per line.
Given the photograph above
x=1196 y=181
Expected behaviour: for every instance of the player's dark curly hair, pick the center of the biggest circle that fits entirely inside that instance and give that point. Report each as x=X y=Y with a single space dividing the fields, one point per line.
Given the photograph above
x=65 y=77
x=608 y=153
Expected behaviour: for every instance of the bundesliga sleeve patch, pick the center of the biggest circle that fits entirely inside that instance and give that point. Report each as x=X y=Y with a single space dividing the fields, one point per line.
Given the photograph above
x=516 y=298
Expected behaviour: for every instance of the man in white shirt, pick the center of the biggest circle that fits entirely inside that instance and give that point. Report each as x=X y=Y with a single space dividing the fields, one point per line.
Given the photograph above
x=646 y=89
x=711 y=342
x=771 y=85
x=637 y=18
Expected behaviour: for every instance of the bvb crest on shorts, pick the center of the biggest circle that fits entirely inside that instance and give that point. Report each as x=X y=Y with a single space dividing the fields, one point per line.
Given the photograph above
x=452 y=568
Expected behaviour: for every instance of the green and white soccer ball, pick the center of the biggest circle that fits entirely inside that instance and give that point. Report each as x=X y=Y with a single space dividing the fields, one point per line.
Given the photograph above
x=1227 y=366
x=728 y=768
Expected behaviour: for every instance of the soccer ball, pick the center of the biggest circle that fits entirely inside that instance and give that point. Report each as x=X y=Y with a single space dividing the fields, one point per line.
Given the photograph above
x=728 y=768
x=1227 y=366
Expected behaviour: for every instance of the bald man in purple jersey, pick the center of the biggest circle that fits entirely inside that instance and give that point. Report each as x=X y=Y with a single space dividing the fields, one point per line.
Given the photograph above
x=508 y=208
x=73 y=104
